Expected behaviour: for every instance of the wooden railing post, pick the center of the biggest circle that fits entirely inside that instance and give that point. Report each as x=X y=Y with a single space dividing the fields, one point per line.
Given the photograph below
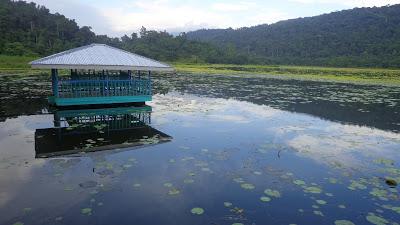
x=54 y=82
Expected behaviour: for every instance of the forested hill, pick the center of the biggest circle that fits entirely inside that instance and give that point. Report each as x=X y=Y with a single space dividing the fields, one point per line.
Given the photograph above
x=30 y=29
x=357 y=37
x=368 y=37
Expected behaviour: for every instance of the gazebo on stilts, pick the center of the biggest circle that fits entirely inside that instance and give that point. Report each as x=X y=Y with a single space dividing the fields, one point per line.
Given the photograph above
x=100 y=74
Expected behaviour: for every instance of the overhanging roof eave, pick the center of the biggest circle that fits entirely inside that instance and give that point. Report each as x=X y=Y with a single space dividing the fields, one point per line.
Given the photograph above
x=102 y=67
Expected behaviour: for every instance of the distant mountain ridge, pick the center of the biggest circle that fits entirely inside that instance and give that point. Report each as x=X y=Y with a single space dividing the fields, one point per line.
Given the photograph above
x=360 y=37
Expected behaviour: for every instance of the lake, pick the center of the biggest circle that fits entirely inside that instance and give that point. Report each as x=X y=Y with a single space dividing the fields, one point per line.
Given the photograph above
x=209 y=149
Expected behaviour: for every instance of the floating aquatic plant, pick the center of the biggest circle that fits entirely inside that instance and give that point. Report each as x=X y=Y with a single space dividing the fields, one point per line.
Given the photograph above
x=265 y=199
x=272 y=193
x=383 y=161
x=318 y=213
x=299 y=182
x=356 y=185
x=86 y=211
x=174 y=191
x=380 y=193
x=238 y=180
x=321 y=202
x=333 y=180
x=377 y=220
x=343 y=222
x=197 y=211
x=18 y=223
x=247 y=186
x=27 y=210
x=227 y=204
x=126 y=166
x=168 y=184
x=313 y=190
x=188 y=181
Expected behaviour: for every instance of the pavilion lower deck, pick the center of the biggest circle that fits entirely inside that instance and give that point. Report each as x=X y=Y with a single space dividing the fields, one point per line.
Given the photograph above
x=83 y=90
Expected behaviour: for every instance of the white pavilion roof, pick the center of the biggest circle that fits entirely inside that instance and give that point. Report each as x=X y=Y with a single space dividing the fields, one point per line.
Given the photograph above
x=99 y=57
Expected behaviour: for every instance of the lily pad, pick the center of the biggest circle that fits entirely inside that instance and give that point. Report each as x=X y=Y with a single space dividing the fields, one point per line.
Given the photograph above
x=86 y=211
x=188 y=181
x=272 y=193
x=168 y=184
x=299 y=182
x=174 y=191
x=318 y=213
x=321 y=202
x=227 y=204
x=343 y=222
x=136 y=185
x=18 y=223
x=374 y=219
x=313 y=190
x=197 y=211
x=265 y=199
x=380 y=193
x=247 y=186
x=27 y=210
x=238 y=180
x=356 y=185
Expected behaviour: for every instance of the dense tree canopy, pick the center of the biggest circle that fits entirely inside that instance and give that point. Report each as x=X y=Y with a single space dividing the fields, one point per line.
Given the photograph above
x=357 y=37
x=360 y=37
x=29 y=29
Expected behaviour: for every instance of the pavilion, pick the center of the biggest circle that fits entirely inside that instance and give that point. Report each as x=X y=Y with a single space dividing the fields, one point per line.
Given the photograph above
x=100 y=74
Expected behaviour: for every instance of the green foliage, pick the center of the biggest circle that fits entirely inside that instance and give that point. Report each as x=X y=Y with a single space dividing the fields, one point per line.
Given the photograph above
x=362 y=37
x=29 y=29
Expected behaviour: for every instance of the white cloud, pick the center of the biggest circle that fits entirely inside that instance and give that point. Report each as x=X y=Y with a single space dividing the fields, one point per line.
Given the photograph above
x=233 y=7
x=162 y=15
x=125 y=17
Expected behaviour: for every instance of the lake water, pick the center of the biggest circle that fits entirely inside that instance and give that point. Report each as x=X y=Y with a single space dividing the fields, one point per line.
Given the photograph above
x=207 y=150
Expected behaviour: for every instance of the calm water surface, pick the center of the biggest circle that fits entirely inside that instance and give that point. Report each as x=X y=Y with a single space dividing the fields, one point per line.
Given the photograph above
x=207 y=150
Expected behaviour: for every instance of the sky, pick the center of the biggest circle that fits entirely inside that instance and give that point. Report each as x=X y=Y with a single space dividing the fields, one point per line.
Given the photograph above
x=118 y=17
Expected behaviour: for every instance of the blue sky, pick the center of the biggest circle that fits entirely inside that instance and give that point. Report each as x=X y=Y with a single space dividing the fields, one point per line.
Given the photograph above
x=118 y=17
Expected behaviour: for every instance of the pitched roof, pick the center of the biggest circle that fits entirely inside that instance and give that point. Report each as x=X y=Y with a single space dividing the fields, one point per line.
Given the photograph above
x=100 y=57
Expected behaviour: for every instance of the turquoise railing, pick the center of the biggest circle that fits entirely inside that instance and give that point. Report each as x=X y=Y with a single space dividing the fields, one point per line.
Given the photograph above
x=103 y=88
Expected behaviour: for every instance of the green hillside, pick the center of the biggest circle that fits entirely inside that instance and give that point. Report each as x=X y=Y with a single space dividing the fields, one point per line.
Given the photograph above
x=367 y=37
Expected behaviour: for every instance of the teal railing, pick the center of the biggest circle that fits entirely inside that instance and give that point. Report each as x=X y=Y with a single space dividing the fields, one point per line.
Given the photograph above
x=103 y=88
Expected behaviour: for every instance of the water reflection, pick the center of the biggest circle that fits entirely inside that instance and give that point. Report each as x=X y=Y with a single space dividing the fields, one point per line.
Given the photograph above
x=364 y=105
x=88 y=130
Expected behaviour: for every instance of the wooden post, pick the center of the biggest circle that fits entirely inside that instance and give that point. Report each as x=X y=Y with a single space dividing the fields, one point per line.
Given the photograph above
x=54 y=82
x=149 y=86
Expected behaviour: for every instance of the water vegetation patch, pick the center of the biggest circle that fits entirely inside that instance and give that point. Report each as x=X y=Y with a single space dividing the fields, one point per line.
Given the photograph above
x=197 y=211
x=343 y=222
x=247 y=186
x=265 y=199
x=86 y=211
x=272 y=193
x=377 y=220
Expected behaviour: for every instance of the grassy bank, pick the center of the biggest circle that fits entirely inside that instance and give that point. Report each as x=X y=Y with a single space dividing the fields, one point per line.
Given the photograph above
x=353 y=75
x=19 y=65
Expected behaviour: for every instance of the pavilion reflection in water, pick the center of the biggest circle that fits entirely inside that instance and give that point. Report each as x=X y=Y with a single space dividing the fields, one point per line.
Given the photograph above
x=88 y=130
